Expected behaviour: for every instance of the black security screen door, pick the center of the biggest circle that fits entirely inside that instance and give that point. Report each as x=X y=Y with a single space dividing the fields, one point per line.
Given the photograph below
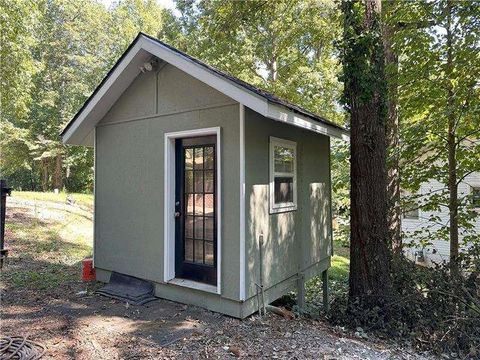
x=196 y=209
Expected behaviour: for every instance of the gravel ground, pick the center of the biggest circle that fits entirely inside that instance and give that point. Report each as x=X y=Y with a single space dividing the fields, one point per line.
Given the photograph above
x=91 y=326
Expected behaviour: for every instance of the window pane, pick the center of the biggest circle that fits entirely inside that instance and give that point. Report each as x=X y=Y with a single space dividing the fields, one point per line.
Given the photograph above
x=198 y=158
x=208 y=253
x=409 y=205
x=189 y=249
x=188 y=181
x=189 y=204
x=476 y=197
x=198 y=204
x=199 y=181
x=209 y=157
x=283 y=159
x=209 y=229
x=199 y=251
x=209 y=185
x=188 y=159
x=283 y=190
x=189 y=227
x=411 y=214
x=198 y=227
x=209 y=204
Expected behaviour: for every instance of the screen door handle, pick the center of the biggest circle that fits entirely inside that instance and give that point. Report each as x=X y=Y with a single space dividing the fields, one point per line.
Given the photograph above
x=177 y=214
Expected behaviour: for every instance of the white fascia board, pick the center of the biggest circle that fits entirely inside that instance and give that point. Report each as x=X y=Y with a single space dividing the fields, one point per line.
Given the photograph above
x=280 y=113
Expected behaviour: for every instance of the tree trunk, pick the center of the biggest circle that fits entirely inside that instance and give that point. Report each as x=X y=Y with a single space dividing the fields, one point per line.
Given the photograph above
x=44 y=163
x=365 y=91
x=33 y=183
x=452 y=147
x=272 y=70
x=393 y=136
x=58 y=176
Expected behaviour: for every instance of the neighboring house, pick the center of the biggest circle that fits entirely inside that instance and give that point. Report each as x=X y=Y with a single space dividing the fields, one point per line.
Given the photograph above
x=415 y=219
x=204 y=184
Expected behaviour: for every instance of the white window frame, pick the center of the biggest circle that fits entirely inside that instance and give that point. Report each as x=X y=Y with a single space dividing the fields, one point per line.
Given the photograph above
x=291 y=206
x=169 y=210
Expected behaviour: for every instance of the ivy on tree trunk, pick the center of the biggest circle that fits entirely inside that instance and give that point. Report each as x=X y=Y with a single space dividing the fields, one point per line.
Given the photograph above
x=365 y=99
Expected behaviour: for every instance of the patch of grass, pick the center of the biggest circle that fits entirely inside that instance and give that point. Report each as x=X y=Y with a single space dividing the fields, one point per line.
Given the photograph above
x=85 y=200
x=46 y=243
x=339 y=269
x=49 y=277
x=338 y=279
x=37 y=238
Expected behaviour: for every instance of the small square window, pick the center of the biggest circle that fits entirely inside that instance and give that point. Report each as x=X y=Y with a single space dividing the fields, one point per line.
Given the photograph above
x=411 y=212
x=410 y=208
x=476 y=197
x=283 y=175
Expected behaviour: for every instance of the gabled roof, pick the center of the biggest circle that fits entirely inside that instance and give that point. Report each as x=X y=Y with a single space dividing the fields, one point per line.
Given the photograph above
x=80 y=129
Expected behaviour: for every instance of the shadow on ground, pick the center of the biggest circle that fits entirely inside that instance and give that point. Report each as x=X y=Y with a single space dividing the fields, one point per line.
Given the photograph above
x=55 y=310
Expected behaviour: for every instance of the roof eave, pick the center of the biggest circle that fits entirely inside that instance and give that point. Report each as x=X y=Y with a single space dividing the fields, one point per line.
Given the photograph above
x=280 y=113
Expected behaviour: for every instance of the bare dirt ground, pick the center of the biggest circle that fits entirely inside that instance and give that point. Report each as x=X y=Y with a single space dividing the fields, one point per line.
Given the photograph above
x=43 y=297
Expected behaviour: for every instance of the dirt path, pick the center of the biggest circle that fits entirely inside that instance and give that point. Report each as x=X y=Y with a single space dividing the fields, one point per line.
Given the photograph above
x=43 y=297
x=91 y=326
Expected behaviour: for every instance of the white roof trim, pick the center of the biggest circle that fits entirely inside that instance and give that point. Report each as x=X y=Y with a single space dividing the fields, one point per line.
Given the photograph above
x=129 y=68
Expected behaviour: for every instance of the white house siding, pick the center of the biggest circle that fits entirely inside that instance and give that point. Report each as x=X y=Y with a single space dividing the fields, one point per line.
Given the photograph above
x=439 y=250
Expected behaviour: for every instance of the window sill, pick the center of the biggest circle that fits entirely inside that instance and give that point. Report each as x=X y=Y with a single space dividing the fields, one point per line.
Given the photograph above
x=411 y=219
x=195 y=285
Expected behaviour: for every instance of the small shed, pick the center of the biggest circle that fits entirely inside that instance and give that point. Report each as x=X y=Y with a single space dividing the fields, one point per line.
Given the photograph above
x=205 y=185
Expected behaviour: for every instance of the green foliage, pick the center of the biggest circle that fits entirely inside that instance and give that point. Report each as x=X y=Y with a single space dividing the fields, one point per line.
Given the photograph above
x=362 y=57
x=16 y=25
x=340 y=162
x=53 y=54
x=287 y=49
x=17 y=68
x=430 y=93
x=428 y=311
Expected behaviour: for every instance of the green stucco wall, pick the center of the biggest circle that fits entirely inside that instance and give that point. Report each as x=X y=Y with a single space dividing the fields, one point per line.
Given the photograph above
x=296 y=241
x=129 y=184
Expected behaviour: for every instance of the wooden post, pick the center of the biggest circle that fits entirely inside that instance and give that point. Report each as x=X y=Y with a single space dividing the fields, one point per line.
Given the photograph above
x=325 y=291
x=301 y=291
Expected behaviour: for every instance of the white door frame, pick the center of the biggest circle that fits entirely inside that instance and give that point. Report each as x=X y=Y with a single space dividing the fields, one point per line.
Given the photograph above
x=169 y=209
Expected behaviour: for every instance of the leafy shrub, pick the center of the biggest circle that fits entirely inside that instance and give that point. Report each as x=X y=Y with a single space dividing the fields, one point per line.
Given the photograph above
x=429 y=308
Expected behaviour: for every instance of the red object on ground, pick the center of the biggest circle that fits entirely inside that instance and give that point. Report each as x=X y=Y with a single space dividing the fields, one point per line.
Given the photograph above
x=88 y=271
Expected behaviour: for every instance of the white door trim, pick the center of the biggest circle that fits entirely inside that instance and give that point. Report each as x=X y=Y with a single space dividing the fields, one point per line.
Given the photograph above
x=169 y=202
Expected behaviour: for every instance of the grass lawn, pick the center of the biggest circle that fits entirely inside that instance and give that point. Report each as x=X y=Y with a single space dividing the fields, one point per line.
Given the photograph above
x=337 y=275
x=340 y=263
x=85 y=200
x=47 y=239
